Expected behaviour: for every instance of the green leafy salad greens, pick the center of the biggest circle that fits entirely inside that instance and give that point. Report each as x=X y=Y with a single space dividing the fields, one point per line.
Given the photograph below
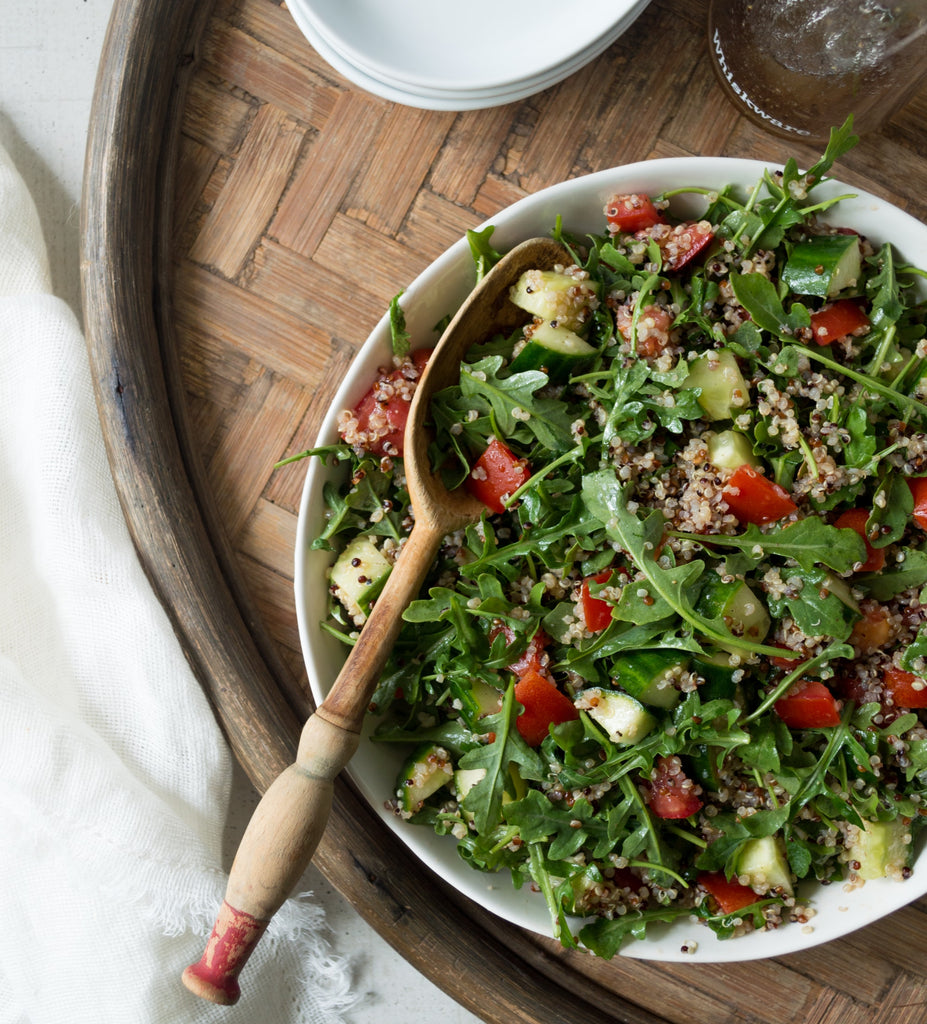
x=713 y=555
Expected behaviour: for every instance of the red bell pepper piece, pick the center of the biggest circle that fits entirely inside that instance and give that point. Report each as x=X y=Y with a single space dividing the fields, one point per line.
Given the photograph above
x=382 y=413
x=496 y=475
x=672 y=792
x=544 y=706
x=918 y=486
x=679 y=244
x=728 y=893
x=836 y=321
x=906 y=689
x=855 y=519
x=629 y=213
x=808 y=705
x=596 y=611
x=755 y=499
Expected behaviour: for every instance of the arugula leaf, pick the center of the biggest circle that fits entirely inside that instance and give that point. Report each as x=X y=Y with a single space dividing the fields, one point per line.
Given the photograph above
x=722 y=854
x=513 y=405
x=808 y=541
x=840 y=141
x=484 y=800
x=815 y=785
x=485 y=257
x=905 y=404
x=555 y=894
x=884 y=291
x=567 y=829
x=766 y=225
x=892 y=506
x=765 y=748
x=350 y=511
x=758 y=296
x=858 y=453
x=549 y=525
x=617 y=260
x=606 y=936
x=812 y=602
x=397 y=328
x=894 y=579
x=913 y=654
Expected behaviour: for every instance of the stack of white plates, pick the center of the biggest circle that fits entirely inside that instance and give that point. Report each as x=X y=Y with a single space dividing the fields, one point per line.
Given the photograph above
x=445 y=55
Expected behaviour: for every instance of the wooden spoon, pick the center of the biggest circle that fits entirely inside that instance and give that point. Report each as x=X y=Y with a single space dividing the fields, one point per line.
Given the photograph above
x=289 y=821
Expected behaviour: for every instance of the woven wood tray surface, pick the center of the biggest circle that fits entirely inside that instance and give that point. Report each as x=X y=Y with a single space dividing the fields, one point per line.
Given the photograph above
x=247 y=218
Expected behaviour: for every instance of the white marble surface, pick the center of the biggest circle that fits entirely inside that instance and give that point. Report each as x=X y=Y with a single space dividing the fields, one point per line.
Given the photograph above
x=49 y=51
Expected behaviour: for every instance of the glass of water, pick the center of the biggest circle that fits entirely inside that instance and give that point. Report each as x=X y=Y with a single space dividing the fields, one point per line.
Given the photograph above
x=799 y=67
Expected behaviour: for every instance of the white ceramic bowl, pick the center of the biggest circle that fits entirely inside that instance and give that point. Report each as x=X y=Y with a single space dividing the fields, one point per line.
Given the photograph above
x=438 y=291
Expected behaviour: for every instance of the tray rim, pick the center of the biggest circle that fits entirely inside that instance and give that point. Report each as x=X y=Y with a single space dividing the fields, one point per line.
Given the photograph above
x=148 y=56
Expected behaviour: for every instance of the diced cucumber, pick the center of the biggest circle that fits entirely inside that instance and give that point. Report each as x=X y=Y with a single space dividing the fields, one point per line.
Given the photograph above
x=724 y=391
x=466 y=778
x=555 y=349
x=731 y=450
x=552 y=296
x=824 y=265
x=735 y=603
x=476 y=701
x=718 y=673
x=896 y=360
x=648 y=676
x=841 y=589
x=425 y=771
x=881 y=848
x=765 y=866
x=358 y=575
x=703 y=766
x=625 y=719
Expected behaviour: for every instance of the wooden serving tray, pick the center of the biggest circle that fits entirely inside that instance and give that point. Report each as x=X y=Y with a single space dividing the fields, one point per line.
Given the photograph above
x=248 y=215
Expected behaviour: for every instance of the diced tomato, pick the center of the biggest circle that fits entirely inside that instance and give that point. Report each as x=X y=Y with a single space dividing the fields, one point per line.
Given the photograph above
x=755 y=499
x=783 y=662
x=906 y=689
x=837 y=320
x=855 y=519
x=873 y=631
x=496 y=474
x=544 y=706
x=597 y=613
x=530 y=660
x=382 y=413
x=672 y=793
x=680 y=244
x=728 y=893
x=918 y=486
x=808 y=705
x=653 y=328
x=629 y=213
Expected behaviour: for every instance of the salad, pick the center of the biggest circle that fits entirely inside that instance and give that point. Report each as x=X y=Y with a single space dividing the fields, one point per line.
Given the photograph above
x=678 y=667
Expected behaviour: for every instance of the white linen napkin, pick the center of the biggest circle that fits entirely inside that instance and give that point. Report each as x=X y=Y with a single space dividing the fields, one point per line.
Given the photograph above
x=114 y=777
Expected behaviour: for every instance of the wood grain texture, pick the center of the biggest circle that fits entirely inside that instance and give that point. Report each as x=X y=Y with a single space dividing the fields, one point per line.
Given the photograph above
x=248 y=215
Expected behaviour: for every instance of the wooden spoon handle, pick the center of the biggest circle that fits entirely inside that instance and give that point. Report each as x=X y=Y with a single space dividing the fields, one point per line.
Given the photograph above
x=289 y=821
x=275 y=850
